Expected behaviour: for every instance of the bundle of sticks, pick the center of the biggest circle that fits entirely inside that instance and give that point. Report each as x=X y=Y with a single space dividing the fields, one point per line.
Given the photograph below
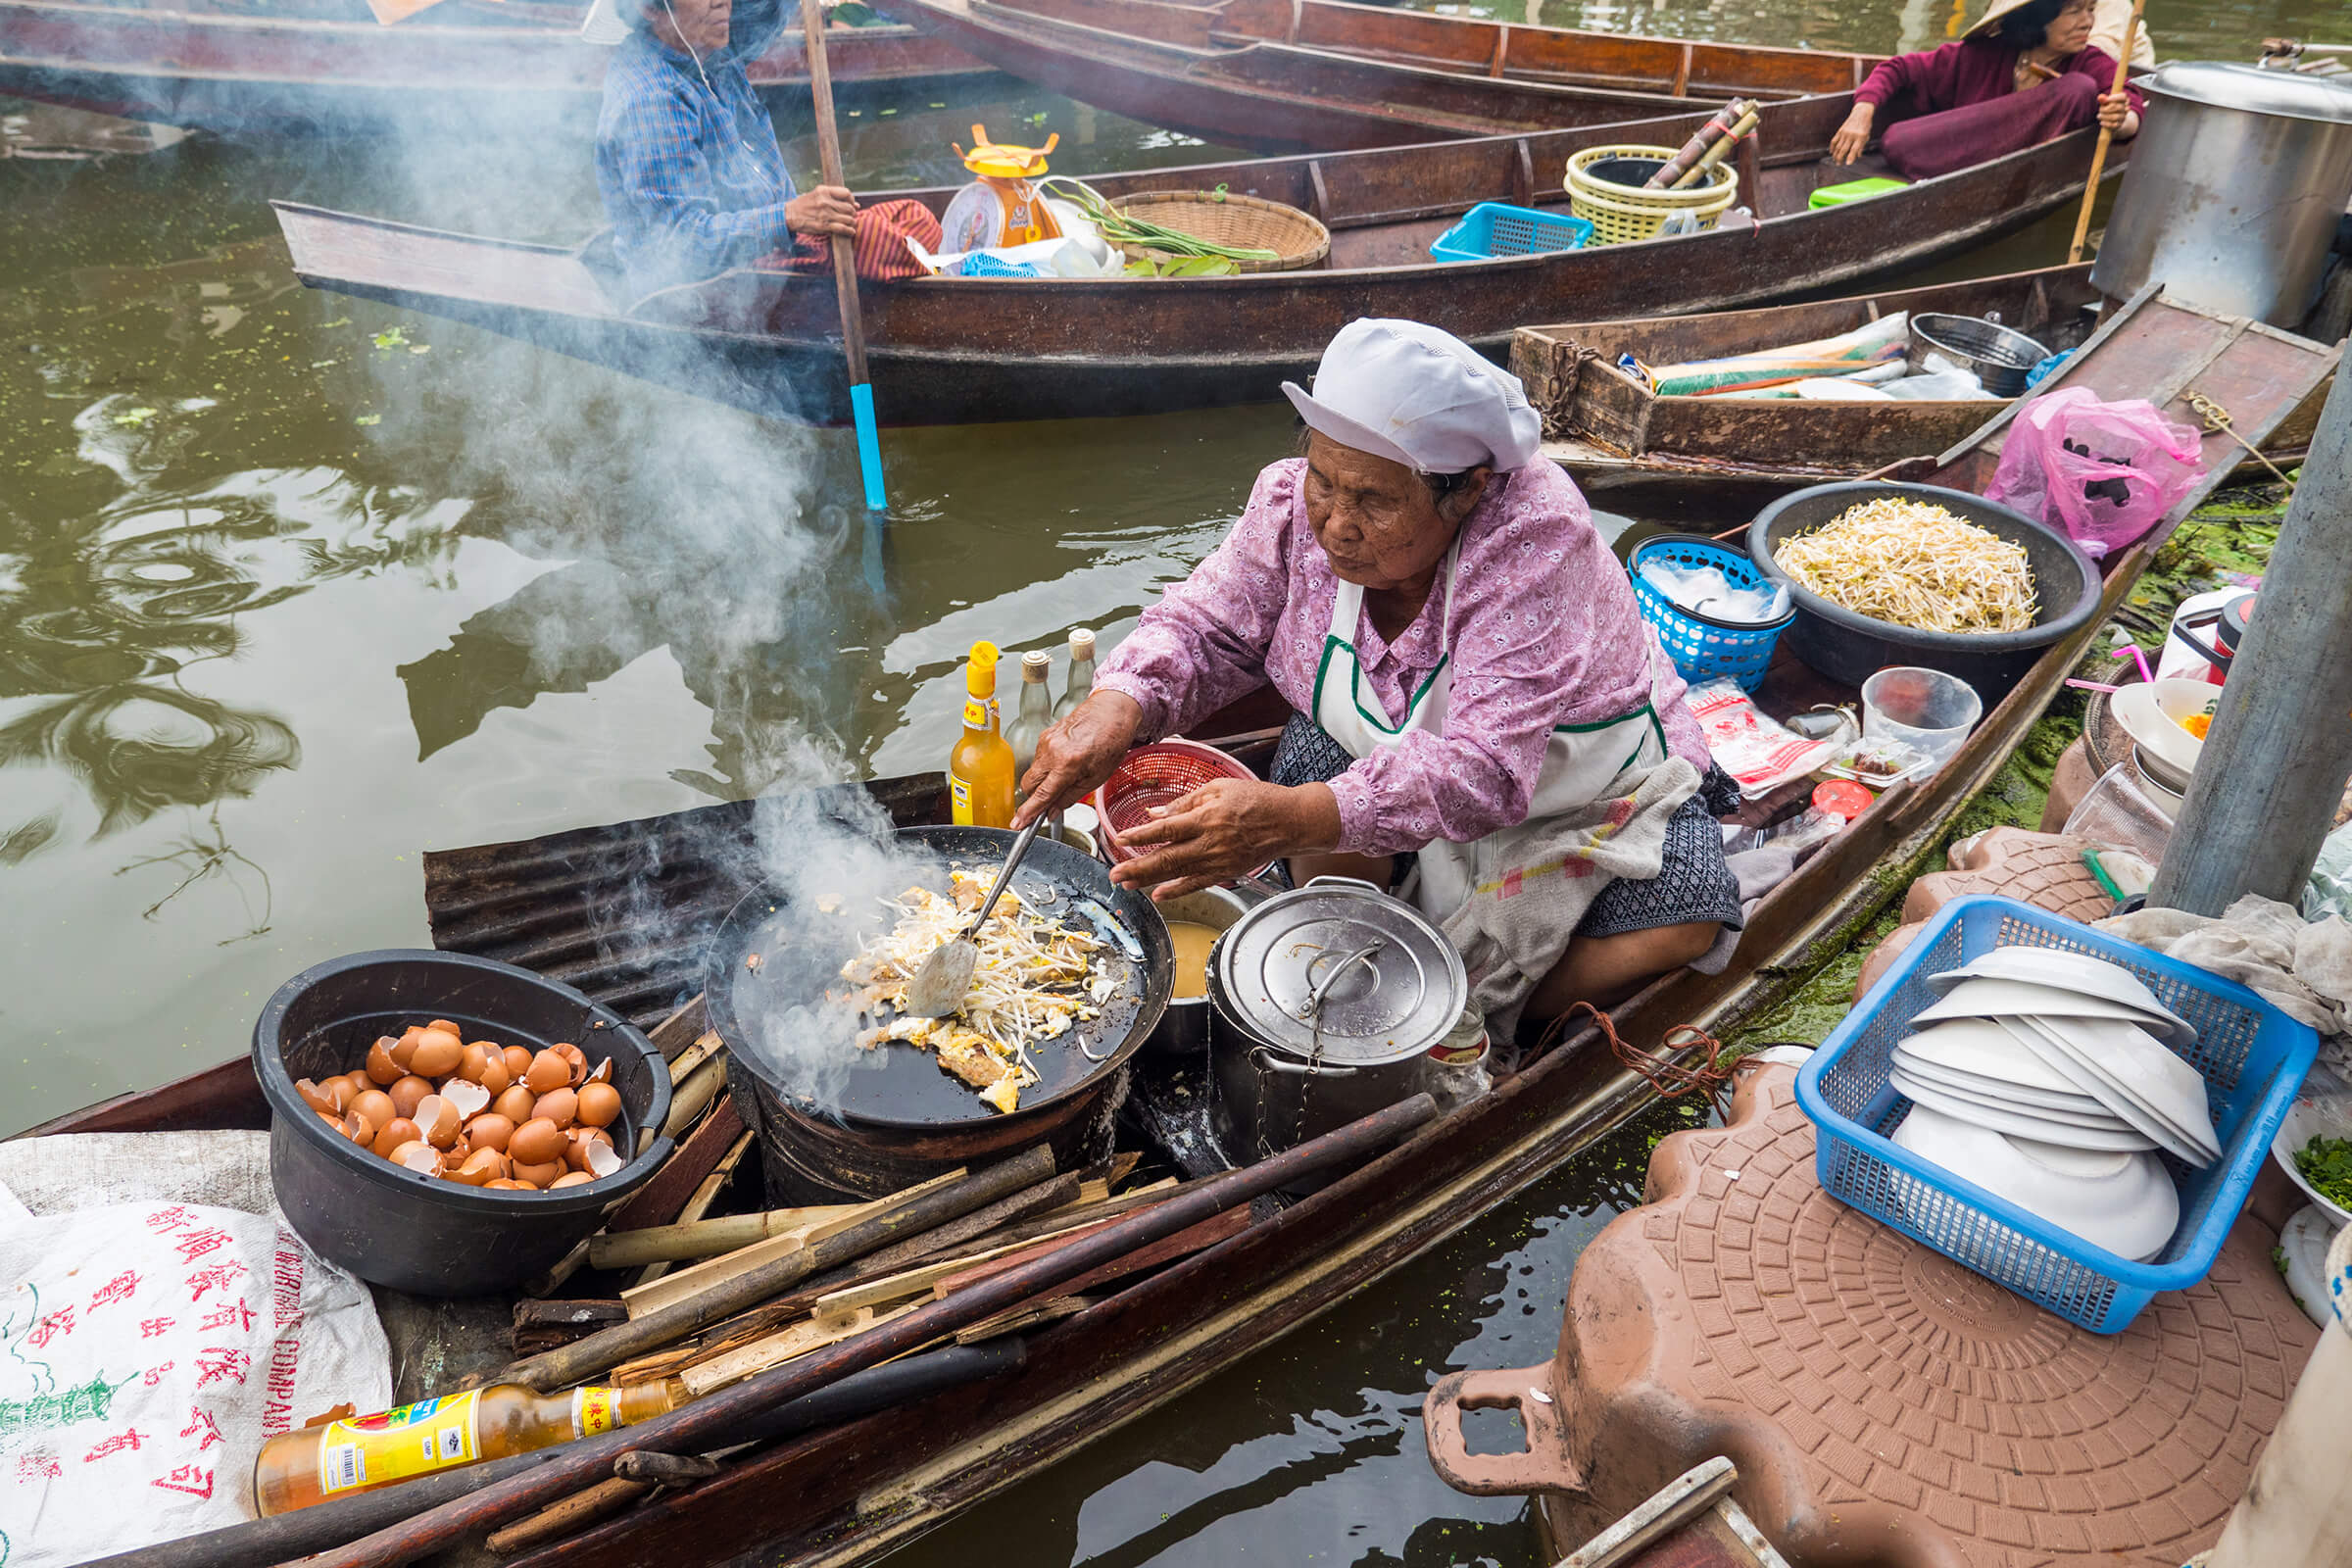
x=1714 y=140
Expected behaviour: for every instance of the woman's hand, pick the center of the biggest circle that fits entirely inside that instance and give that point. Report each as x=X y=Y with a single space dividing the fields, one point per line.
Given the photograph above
x=2115 y=112
x=1079 y=753
x=825 y=211
x=1848 y=140
x=1225 y=829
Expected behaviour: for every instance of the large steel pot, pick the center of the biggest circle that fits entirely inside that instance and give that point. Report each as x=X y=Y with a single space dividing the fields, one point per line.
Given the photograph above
x=2234 y=190
x=1324 y=1005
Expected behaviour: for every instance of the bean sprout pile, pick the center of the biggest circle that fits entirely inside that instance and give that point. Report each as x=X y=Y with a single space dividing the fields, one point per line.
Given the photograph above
x=1035 y=978
x=1915 y=564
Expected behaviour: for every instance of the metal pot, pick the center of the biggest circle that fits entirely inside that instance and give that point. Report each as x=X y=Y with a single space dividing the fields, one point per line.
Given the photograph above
x=1980 y=345
x=1324 y=1004
x=2233 y=194
x=1183 y=1030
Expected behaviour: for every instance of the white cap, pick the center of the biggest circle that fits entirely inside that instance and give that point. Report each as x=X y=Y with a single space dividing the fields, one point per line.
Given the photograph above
x=1421 y=397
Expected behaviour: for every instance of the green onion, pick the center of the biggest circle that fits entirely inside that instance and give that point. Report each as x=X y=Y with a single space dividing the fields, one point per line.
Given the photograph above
x=1125 y=228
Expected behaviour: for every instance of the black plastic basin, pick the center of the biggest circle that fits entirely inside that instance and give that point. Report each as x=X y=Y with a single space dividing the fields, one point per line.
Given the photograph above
x=420 y=1233
x=1849 y=647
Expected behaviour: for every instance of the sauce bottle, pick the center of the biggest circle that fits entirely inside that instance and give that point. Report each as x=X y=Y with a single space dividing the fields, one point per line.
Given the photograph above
x=1082 y=673
x=336 y=1458
x=980 y=770
x=1037 y=710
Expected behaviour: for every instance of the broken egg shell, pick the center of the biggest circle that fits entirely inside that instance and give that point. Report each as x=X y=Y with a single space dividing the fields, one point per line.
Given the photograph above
x=558 y=1106
x=437 y=1055
x=445 y=1026
x=333 y=1120
x=490 y=1130
x=538 y=1175
x=495 y=1078
x=438 y=1120
x=577 y=1057
x=599 y=1104
x=470 y=1099
x=359 y=1130
x=482 y=1166
x=547 y=1071
x=602 y=1072
x=393 y=1133
x=507 y=1184
x=582 y=1139
x=571 y=1178
x=403 y=1049
x=603 y=1158
x=518 y=1061
x=419 y=1156
x=358 y=1081
x=537 y=1141
x=475 y=1058
x=374 y=1105
x=516 y=1105
x=408 y=1093
x=381 y=1068
x=317 y=1099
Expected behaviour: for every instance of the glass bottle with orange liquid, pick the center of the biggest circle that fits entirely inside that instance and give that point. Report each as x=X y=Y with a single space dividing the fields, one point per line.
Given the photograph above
x=336 y=1458
x=980 y=770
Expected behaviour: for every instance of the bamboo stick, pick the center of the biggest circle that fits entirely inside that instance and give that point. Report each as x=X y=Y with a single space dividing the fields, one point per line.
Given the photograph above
x=693 y=1097
x=577 y=1511
x=568 y=1364
x=1044 y=1198
x=676 y=1244
x=700 y=1204
x=682 y=1065
x=2098 y=155
x=714 y=1422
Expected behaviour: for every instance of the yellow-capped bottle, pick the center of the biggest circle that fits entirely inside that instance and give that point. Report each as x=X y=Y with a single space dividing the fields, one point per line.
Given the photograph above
x=336 y=1458
x=980 y=770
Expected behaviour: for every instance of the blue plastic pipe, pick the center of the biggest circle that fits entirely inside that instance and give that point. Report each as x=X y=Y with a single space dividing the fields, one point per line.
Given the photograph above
x=870 y=444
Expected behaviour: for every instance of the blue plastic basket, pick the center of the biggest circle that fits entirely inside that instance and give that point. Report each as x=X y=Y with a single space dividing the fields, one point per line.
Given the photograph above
x=1701 y=647
x=1497 y=229
x=2253 y=1058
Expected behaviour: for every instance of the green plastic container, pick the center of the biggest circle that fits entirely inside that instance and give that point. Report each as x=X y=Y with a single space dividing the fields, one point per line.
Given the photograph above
x=1853 y=190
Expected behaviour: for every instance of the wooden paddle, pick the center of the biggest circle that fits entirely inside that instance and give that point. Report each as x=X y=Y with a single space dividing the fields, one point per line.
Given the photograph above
x=2098 y=156
x=845 y=260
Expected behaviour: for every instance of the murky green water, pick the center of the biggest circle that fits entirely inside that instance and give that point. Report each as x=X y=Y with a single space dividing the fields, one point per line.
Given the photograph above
x=294 y=587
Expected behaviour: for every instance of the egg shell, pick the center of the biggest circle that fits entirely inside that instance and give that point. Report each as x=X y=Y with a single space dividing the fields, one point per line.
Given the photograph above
x=438 y=1120
x=537 y=1141
x=333 y=1120
x=445 y=1026
x=494 y=1076
x=602 y=1072
x=403 y=1049
x=558 y=1106
x=438 y=1053
x=516 y=1105
x=381 y=1068
x=490 y=1130
x=538 y=1175
x=600 y=1105
x=547 y=1071
x=317 y=1099
x=475 y=1058
x=603 y=1158
x=409 y=1092
x=507 y=1184
x=359 y=1080
x=575 y=1154
x=574 y=1055
x=359 y=1130
x=393 y=1133
x=419 y=1156
x=571 y=1178
x=470 y=1099
x=374 y=1105
x=518 y=1061
x=482 y=1166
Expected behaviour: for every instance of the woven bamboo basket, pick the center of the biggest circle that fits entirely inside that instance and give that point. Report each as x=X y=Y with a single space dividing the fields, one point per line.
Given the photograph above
x=1623 y=212
x=1247 y=222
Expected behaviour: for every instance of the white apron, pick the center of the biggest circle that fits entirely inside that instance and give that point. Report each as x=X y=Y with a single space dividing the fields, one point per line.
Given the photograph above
x=1582 y=762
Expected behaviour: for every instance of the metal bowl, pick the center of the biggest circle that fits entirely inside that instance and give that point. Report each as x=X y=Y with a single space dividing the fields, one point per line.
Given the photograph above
x=1997 y=357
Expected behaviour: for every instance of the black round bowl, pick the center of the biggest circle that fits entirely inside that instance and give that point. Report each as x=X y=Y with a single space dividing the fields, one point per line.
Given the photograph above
x=1849 y=647
x=415 y=1233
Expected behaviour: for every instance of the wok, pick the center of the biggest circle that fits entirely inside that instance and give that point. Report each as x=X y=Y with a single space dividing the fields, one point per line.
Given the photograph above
x=894 y=1086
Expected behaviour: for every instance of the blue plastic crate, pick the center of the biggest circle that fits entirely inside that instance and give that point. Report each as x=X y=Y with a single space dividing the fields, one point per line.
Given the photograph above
x=1497 y=229
x=1702 y=648
x=2252 y=1055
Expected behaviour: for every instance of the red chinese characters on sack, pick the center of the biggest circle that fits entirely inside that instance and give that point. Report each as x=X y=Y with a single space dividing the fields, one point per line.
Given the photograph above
x=199 y=1244
x=127 y=1437
x=217 y=1277
x=49 y=1328
x=118 y=1289
x=218 y=1364
x=154 y=1328
x=203 y=1428
x=235 y=1315
x=189 y=1479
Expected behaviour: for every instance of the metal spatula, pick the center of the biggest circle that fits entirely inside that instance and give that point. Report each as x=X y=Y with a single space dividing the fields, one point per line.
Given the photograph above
x=940 y=986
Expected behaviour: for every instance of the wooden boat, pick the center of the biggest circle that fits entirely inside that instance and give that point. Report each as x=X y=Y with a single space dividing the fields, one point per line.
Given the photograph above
x=1320 y=74
x=848 y=1495
x=952 y=350
x=518 y=63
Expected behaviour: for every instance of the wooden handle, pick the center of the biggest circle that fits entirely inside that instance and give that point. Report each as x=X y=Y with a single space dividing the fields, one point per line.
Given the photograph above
x=2098 y=155
x=828 y=155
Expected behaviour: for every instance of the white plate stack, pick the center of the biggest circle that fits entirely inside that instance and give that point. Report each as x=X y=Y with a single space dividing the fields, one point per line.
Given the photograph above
x=2045 y=1078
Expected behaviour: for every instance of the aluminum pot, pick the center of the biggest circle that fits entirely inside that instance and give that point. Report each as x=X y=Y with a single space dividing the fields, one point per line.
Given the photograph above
x=2234 y=190
x=1324 y=1004
x=1999 y=358
x=1183 y=1030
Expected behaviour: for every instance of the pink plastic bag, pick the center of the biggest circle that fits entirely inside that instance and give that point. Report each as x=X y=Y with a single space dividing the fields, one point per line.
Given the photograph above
x=2104 y=473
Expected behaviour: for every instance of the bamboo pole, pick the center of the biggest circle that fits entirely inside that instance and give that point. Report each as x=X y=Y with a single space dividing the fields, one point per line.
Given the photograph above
x=2098 y=156
x=844 y=261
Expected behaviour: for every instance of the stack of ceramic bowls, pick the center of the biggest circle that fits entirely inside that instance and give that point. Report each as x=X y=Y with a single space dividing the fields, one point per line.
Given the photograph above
x=2047 y=1078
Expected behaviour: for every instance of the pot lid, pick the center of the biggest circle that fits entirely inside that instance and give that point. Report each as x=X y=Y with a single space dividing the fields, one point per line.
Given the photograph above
x=1340 y=964
x=2227 y=86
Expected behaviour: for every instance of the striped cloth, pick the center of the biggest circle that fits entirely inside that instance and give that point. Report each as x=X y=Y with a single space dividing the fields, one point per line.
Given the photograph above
x=881 y=248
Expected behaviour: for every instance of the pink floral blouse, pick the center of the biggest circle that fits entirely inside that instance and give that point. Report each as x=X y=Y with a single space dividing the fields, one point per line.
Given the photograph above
x=1543 y=632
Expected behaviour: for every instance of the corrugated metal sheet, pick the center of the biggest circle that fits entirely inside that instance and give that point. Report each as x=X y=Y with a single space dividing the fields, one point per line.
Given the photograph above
x=622 y=912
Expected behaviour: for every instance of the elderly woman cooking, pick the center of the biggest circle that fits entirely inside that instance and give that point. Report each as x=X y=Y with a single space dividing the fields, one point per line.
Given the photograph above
x=1471 y=680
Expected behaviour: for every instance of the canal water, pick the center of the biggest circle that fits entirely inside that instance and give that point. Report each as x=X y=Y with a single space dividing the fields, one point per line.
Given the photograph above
x=294 y=587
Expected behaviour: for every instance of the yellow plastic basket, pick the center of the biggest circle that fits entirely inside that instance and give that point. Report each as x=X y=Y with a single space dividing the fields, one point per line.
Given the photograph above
x=1620 y=214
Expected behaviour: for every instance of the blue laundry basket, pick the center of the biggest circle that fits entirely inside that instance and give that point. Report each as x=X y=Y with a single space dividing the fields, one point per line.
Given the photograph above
x=2253 y=1058
x=1701 y=647
x=1497 y=229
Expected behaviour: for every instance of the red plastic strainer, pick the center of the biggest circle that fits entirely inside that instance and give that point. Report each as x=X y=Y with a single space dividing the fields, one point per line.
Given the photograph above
x=1152 y=776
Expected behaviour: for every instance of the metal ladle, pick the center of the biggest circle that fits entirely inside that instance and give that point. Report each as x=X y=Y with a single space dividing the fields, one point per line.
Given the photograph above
x=940 y=986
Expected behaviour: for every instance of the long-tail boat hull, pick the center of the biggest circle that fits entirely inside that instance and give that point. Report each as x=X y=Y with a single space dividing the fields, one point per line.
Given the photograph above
x=954 y=350
x=515 y=64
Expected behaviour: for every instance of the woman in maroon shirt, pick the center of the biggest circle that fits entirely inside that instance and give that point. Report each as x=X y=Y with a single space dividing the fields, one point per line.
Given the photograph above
x=2022 y=75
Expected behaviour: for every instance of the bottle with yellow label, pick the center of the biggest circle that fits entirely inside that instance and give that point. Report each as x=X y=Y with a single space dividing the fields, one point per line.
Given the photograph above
x=980 y=770
x=336 y=1458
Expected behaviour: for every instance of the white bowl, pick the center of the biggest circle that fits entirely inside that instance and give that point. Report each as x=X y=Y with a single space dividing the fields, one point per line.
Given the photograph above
x=2308 y=1118
x=2151 y=712
x=2121 y=1203
x=2068 y=972
x=2124 y=1138
x=1984 y=1048
x=1989 y=998
x=2033 y=1102
x=2130 y=1072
